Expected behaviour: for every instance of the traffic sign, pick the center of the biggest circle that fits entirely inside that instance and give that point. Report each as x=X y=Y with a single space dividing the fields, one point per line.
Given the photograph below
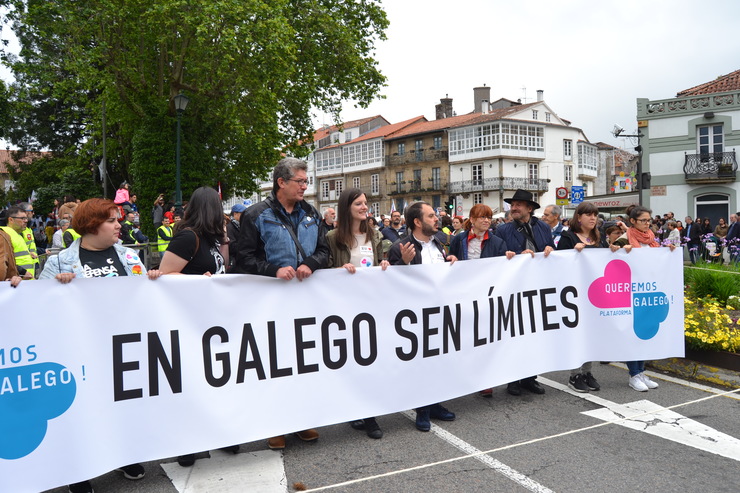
x=561 y=196
x=576 y=194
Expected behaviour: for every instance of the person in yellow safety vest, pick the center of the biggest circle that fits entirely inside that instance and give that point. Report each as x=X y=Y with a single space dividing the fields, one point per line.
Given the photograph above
x=25 y=260
x=27 y=233
x=164 y=235
x=69 y=236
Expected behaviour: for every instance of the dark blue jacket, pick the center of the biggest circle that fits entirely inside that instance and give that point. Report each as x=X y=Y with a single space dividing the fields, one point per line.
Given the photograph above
x=492 y=247
x=517 y=241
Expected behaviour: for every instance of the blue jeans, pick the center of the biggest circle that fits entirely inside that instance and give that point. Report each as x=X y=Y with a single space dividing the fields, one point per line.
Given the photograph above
x=635 y=367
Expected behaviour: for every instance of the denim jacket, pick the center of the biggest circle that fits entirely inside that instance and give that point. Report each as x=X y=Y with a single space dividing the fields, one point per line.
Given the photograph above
x=266 y=245
x=69 y=261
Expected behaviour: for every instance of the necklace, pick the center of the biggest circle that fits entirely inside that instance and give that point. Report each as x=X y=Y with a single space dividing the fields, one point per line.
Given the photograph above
x=586 y=239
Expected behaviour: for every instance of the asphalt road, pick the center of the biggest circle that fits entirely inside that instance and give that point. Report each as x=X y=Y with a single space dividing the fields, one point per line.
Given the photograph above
x=535 y=442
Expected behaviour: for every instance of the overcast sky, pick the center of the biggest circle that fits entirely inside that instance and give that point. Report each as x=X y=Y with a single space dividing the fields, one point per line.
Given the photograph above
x=591 y=58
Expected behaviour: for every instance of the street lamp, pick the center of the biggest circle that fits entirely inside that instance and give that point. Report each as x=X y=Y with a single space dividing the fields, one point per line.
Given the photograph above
x=181 y=102
x=618 y=132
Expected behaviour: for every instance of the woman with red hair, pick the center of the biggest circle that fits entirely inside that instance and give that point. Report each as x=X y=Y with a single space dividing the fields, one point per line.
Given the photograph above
x=96 y=253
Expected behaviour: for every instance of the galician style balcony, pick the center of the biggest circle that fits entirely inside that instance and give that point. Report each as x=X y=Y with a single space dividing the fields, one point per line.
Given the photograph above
x=714 y=167
x=497 y=184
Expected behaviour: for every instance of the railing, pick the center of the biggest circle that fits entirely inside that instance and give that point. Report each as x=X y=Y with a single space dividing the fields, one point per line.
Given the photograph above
x=498 y=183
x=417 y=156
x=715 y=166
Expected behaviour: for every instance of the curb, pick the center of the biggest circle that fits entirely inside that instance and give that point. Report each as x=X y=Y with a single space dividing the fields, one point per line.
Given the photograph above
x=697 y=371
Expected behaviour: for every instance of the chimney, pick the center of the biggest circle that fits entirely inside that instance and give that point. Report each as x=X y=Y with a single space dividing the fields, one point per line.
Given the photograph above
x=540 y=95
x=444 y=108
x=479 y=95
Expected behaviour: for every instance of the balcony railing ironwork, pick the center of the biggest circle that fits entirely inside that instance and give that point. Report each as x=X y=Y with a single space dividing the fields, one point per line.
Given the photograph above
x=498 y=183
x=714 y=166
x=417 y=156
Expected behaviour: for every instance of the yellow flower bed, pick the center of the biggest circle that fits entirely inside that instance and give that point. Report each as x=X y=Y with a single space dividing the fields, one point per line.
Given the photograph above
x=709 y=325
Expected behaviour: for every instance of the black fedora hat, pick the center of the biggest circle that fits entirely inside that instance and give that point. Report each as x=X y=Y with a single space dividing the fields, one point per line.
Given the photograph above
x=524 y=196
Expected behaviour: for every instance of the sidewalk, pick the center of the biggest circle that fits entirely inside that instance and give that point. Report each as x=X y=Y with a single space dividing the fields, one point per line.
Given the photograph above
x=697 y=371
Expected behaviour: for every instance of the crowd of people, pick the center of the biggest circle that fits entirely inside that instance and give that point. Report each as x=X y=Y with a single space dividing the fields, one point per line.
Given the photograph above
x=285 y=237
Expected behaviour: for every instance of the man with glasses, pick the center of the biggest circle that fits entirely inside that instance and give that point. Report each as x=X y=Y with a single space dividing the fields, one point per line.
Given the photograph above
x=17 y=223
x=27 y=233
x=396 y=231
x=280 y=237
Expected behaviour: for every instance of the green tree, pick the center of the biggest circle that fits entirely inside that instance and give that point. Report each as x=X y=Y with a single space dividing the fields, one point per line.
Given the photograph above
x=254 y=71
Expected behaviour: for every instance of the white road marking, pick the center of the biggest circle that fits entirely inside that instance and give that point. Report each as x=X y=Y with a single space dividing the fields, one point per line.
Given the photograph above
x=479 y=455
x=261 y=472
x=686 y=383
x=656 y=420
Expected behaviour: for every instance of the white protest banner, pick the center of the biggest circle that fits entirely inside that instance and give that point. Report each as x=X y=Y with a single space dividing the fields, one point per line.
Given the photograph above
x=100 y=373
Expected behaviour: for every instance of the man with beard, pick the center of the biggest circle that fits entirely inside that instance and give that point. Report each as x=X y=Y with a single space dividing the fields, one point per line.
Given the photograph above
x=395 y=231
x=525 y=234
x=422 y=246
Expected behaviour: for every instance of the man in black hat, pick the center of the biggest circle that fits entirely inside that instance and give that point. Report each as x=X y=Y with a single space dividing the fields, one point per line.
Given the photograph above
x=525 y=234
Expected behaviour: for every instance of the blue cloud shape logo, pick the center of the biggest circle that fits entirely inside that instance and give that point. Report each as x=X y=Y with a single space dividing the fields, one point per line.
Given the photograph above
x=30 y=396
x=650 y=310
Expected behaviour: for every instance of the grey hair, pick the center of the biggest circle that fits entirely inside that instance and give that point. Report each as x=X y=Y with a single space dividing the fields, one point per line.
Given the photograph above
x=555 y=210
x=64 y=222
x=286 y=169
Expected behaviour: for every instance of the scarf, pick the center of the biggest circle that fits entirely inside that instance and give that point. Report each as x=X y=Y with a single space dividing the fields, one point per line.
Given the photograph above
x=637 y=238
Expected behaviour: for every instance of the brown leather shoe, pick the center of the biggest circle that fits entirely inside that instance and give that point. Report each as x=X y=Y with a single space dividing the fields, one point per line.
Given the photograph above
x=276 y=443
x=308 y=435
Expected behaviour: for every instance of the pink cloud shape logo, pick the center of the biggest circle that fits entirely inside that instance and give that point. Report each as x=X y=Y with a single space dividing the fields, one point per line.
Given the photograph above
x=613 y=289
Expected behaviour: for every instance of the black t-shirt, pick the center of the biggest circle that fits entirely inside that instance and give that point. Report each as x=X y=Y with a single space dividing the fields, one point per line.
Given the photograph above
x=208 y=258
x=103 y=263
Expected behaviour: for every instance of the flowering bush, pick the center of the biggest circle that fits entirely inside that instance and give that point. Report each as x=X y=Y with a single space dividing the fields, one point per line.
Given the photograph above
x=710 y=325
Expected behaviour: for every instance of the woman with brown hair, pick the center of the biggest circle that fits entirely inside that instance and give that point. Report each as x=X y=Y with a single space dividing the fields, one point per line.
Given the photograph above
x=8 y=268
x=639 y=235
x=354 y=244
x=583 y=233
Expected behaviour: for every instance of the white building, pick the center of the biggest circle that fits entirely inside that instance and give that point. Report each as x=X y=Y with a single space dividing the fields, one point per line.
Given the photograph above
x=512 y=145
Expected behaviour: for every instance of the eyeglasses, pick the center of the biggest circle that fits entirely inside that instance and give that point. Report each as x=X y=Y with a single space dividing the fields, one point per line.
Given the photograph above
x=485 y=218
x=20 y=218
x=643 y=221
x=302 y=183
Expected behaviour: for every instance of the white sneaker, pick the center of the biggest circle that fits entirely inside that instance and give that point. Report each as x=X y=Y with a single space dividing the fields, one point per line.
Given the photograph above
x=648 y=383
x=637 y=383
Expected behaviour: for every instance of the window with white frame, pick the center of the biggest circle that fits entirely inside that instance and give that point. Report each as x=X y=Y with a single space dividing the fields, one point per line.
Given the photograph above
x=362 y=153
x=533 y=172
x=438 y=142
x=347 y=136
x=401 y=148
x=568 y=168
x=374 y=184
x=328 y=160
x=535 y=113
x=324 y=190
x=477 y=198
x=375 y=209
x=399 y=181
x=436 y=184
x=710 y=140
x=356 y=182
x=477 y=174
x=338 y=186
x=567 y=150
x=489 y=136
x=587 y=157
x=548 y=116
